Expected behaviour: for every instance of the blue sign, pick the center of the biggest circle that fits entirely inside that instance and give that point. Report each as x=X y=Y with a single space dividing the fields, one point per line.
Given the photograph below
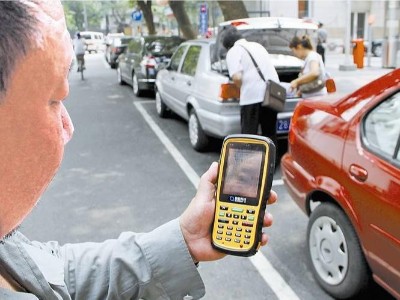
x=203 y=19
x=137 y=15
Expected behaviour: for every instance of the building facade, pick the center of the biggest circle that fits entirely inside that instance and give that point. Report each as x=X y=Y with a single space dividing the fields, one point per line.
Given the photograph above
x=380 y=16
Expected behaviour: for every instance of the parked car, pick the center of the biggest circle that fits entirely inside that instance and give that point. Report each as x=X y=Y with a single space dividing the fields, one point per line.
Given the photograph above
x=108 y=41
x=343 y=170
x=115 y=49
x=138 y=64
x=196 y=85
x=94 y=41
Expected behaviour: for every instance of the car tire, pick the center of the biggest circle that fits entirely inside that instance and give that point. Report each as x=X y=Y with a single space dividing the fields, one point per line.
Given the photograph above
x=135 y=86
x=336 y=258
x=198 y=139
x=161 y=108
x=119 y=77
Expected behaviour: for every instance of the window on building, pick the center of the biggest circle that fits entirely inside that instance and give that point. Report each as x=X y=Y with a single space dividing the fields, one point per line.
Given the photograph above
x=304 y=8
x=358 y=27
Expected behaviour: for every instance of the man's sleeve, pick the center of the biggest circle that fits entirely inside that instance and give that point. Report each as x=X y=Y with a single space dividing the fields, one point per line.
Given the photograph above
x=154 y=265
x=234 y=61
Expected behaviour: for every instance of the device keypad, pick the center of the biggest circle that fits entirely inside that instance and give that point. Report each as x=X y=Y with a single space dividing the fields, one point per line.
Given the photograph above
x=237 y=220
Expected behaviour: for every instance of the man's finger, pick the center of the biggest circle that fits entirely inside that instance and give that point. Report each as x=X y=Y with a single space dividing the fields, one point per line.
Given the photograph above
x=206 y=187
x=264 y=239
x=273 y=197
x=212 y=174
x=268 y=220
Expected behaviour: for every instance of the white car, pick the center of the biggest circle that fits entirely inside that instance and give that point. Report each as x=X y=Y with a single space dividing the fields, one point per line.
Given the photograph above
x=94 y=41
x=195 y=84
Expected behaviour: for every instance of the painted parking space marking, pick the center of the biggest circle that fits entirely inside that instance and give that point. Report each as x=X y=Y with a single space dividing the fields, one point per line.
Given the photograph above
x=269 y=274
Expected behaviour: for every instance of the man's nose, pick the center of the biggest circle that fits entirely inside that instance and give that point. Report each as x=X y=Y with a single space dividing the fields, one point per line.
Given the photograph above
x=68 y=127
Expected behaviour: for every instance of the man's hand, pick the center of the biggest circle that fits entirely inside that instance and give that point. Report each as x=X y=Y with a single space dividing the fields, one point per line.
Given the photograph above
x=197 y=219
x=237 y=79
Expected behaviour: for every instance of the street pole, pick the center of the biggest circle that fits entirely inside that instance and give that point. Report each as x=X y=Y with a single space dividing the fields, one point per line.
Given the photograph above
x=347 y=65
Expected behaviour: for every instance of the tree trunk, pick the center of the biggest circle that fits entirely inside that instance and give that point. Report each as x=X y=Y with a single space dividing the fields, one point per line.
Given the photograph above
x=178 y=8
x=233 y=9
x=148 y=15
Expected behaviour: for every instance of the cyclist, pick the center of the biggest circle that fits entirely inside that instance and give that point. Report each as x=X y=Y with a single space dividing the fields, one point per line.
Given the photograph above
x=79 y=48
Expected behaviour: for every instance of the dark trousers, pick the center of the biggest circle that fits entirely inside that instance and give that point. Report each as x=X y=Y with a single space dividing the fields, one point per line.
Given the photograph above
x=321 y=51
x=253 y=115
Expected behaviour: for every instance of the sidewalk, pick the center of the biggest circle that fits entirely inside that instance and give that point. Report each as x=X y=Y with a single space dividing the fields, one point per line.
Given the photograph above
x=349 y=81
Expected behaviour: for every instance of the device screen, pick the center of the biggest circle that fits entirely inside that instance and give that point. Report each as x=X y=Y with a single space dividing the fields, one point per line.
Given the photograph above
x=241 y=182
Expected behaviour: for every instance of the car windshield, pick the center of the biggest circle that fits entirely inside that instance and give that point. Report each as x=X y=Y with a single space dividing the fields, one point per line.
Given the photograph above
x=162 y=46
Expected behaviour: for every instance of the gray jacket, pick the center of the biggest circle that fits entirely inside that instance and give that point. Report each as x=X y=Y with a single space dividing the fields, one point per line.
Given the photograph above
x=154 y=265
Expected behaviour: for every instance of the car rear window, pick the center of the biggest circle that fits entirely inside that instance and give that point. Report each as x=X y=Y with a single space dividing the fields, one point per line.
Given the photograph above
x=162 y=46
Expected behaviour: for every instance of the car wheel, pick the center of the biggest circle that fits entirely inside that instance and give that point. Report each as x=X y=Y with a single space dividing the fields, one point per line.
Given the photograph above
x=337 y=261
x=135 y=86
x=162 y=109
x=119 y=77
x=198 y=138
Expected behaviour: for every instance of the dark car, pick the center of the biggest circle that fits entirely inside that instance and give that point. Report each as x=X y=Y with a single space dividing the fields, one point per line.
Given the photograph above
x=116 y=46
x=343 y=170
x=140 y=61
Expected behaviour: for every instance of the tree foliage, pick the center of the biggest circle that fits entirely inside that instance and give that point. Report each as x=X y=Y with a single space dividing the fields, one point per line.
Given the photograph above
x=96 y=12
x=74 y=12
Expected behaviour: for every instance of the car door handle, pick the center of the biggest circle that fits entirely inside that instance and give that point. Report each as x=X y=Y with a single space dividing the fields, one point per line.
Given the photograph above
x=172 y=78
x=358 y=172
x=189 y=83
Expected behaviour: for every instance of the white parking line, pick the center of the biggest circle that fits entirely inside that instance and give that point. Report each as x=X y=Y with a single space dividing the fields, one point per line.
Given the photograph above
x=277 y=182
x=270 y=275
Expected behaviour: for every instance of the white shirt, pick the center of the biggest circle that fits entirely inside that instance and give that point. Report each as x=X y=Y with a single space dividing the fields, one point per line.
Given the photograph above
x=238 y=60
x=314 y=56
x=79 y=46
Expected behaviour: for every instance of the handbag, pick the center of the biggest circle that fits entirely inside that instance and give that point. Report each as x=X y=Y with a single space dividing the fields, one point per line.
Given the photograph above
x=313 y=86
x=275 y=94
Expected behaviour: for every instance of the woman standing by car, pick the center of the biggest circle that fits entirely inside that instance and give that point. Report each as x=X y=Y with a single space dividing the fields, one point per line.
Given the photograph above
x=311 y=81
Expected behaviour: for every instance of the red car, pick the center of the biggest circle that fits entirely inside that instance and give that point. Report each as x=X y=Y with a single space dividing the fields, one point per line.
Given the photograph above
x=343 y=170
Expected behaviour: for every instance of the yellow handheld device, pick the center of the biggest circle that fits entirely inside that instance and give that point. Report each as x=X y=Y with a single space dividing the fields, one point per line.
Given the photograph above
x=245 y=176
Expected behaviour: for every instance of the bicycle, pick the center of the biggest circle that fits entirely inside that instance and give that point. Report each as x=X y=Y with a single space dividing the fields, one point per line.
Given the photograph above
x=81 y=66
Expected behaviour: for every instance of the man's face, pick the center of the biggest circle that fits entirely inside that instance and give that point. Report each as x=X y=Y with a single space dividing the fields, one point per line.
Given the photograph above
x=34 y=124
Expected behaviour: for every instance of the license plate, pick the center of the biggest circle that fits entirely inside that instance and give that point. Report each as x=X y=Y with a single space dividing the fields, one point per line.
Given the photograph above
x=283 y=125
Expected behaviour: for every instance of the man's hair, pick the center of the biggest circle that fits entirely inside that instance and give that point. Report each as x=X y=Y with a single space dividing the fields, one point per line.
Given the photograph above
x=305 y=42
x=231 y=36
x=18 y=24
